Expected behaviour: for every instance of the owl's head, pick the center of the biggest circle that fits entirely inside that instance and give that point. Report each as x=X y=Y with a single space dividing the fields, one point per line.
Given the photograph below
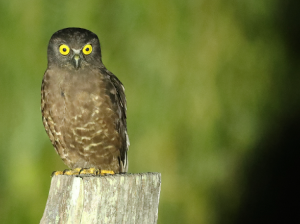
x=74 y=48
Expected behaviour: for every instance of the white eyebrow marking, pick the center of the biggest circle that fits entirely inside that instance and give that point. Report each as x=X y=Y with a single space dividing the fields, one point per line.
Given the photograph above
x=76 y=51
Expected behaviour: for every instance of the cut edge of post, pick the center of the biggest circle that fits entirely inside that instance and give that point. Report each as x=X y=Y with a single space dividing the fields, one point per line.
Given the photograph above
x=118 y=198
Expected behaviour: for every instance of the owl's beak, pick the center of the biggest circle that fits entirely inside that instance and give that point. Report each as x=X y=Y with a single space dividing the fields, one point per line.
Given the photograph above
x=76 y=59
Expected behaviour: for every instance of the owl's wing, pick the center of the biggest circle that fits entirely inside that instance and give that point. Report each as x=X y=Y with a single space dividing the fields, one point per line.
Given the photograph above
x=48 y=121
x=121 y=123
x=45 y=112
x=120 y=92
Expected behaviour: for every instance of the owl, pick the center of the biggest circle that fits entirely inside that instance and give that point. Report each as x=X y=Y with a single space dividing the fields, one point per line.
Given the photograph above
x=83 y=104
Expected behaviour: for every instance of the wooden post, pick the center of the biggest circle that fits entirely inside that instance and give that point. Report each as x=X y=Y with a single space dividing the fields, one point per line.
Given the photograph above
x=119 y=198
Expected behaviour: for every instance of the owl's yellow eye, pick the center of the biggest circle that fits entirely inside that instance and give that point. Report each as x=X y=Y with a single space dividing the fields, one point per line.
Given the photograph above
x=64 y=49
x=87 y=49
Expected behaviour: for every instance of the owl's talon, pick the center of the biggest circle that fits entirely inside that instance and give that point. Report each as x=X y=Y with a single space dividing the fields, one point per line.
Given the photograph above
x=75 y=171
x=93 y=171
x=55 y=173
x=67 y=172
x=105 y=172
x=84 y=171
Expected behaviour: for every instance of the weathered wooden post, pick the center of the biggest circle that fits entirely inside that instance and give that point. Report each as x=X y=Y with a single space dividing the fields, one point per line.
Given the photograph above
x=119 y=198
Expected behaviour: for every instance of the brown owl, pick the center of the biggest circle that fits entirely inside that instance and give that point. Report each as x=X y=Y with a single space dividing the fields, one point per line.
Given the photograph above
x=83 y=104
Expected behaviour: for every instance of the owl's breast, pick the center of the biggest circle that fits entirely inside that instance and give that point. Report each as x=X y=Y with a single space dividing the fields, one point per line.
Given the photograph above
x=76 y=95
x=84 y=115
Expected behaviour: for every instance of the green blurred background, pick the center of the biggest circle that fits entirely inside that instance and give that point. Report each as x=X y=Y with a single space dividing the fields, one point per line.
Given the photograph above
x=213 y=102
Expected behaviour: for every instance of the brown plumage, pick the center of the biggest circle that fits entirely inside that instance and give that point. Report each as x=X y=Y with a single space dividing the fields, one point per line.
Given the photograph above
x=83 y=104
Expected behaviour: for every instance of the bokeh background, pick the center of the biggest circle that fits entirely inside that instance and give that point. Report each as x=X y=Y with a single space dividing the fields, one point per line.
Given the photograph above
x=213 y=103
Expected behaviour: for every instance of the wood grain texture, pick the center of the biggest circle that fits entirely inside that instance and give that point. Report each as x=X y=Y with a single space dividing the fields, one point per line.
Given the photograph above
x=119 y=198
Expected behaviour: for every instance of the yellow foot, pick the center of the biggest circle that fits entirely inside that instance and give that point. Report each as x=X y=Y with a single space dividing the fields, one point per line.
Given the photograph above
x=79 y=171
x=55 y=173
x=75 y=171
x=93 y=171
x=104 y=172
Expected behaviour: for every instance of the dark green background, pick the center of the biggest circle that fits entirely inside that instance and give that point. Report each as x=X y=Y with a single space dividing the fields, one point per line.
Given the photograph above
x=213 y=102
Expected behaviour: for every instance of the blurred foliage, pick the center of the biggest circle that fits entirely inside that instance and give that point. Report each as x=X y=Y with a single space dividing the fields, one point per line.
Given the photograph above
x=206 y=82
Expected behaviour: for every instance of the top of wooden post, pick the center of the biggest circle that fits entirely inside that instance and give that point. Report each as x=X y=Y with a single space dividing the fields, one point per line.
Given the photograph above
x=119 y=198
